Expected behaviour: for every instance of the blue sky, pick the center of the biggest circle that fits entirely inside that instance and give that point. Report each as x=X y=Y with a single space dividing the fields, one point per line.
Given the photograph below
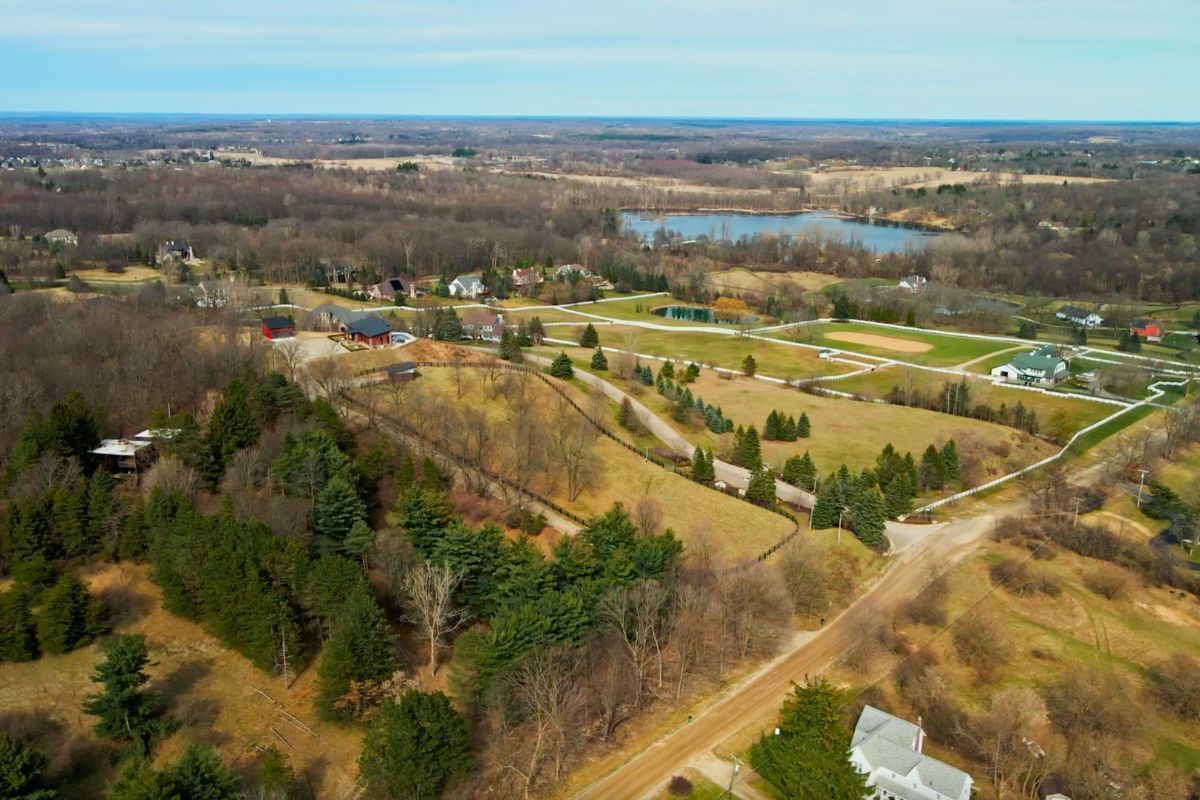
x=948 y=59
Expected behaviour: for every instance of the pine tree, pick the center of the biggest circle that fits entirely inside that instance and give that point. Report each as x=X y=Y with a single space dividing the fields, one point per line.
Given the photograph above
x=509 y=350
x=749 y=366
x=199 y=774
x=788 y=430
x=360 y=649
x=843 y=308
x=829 y=503
x=101 y=494
x=761 y=486
x=800 y=471
x=933 y=469
x=67 y=617
x=589 y=338
x=869 y=516
x=702 y=465
x=415 y=747
x=771 y=431
x=561 y=367
x=599 y=361
x=18 y=635
x=897 y=496
x=22 y=771
x=423 y=515
x=647 y=375
x=803 y=426
x=667 y=371
x=126 y=713
x=950 y=460
x=713 y=419
x=337 y=509
x=358 y=540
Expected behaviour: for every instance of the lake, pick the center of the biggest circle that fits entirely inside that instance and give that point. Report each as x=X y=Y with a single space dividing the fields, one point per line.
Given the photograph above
x=729 y=226
x=695 y=314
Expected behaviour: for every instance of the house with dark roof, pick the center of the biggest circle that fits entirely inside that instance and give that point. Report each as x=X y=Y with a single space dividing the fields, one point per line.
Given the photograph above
x=388 y=289
x=371 y=331
x=401 y=373
x=481 y=324
x=1044 y=366
x=174 y=251
x=62 y=236
x=1079 y=316
x=889 y=751
x=1149 y=329
x=526 y=278
x=277 y=328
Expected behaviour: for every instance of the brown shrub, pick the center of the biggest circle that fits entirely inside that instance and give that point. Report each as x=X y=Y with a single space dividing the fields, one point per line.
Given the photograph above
x=1094 y=700
x=1177 y=685
x=1109 y=583
x=1023 y=579
x=929 y=607
x=679 y=786
x=982 y=641
x=873 y=636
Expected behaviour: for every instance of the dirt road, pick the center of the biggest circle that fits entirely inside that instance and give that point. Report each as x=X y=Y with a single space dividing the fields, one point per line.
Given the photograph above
x=755 y=700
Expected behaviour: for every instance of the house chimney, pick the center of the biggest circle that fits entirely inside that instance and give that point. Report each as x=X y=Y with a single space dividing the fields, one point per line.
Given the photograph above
x=919 y=744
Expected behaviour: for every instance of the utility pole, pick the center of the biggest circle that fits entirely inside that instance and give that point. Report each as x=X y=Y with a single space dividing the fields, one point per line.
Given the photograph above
x=1141 y=482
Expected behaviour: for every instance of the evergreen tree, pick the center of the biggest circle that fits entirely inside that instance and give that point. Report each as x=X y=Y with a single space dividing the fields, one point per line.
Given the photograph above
x=360 y=649
x=337 y=510
x=713 y=419
x=910 y=317
x=1028 y=330
x=358 y=541
x=415 y=748
x=561 y=367
x=950 y=460
x=691 y=373
x=809 y=759
x=125 y=711
x=589 y=338
x=787 y=428
x=761 y=486
x=523 y=337
x=283 y=297
x=18 y=634
x=22 y=772
x=800 y=471
x=897 y=496
x=803 y=427
x=829 y=503
x=647 y=376
x=599 y=361
x=67 y=617
x=869 y=516
x=627 y=418
x=702 y=465
x=199 y=774
x=423 y=514
x=509 y=349
x=537 y=331
x=771 y=430
x=843 y=308
x=667 y=371
x=749 y=366
x=101 y=509
x=933 y=469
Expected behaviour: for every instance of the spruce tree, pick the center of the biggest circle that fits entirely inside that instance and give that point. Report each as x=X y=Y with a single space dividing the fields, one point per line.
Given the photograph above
x=761 y=486
x=799 y=471
x=803 y=426
x=415 y=747
x=599 y=361
x=589 y=338
x=752 y=450
x=509 y=349
x=933 y=469
x=537 y=331
x=702 y=465
x=337 y=509
x=829 y=503
x=950 y=460
x=199 y=774
x=360 y=649
x=22 y=771
x=125 y=711
x=749 y=366
x=771 y=430
x=869 y=516
x=897 y=496
x=667 y=371
x=18 y=634
x=713 y=419
x=67 y=616
x=788 y=430
x=561 y=367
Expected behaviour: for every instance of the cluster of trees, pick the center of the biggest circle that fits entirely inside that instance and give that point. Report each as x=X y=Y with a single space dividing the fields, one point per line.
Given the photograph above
x=688 y=407
x=954 y=397
x=1130 y=342
x=786 y=429
x=747 y=450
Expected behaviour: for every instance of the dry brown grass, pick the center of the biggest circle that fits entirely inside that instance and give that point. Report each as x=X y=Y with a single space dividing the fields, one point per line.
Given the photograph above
x=210 y=691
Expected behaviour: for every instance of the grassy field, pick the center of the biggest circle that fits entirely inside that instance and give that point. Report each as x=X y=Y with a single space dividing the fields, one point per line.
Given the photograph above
x=880 y=382
x=741 y=279
x=943 y=350
x=737 y=529
x=776 y=360
x=208 y=689
x=639 y=308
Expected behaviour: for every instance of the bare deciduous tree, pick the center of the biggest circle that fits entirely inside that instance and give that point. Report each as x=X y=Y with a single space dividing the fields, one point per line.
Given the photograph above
x=430 y=599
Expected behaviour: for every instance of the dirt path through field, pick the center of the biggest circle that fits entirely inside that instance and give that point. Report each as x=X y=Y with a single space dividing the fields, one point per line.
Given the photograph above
x=986 y=356
x=882 y=342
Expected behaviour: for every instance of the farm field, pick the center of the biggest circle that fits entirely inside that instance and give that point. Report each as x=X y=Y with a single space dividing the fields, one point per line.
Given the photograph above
x=208 y=688
x=736 y=529
x=741 y=279
x=909 y=344
x=873 y=178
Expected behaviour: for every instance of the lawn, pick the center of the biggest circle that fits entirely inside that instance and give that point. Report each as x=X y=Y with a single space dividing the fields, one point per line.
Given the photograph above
x=639 y=308
x=909 y=344
x=740 y=279
x=777 y=360
x=208 y=689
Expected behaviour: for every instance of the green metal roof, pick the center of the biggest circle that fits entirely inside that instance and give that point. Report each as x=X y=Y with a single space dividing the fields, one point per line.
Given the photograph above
x=1045 y=359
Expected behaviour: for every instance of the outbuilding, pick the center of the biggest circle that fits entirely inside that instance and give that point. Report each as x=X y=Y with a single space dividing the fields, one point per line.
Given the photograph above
x=278 y=328
x=371 y=331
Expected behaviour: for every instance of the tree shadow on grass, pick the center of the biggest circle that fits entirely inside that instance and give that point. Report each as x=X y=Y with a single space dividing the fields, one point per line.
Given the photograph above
x=73 y=758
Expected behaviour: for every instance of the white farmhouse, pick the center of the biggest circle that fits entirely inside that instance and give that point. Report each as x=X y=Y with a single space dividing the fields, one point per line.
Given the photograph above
x=888 y=750
x=1042 y=367
x=469 y=286
x=1079 y=316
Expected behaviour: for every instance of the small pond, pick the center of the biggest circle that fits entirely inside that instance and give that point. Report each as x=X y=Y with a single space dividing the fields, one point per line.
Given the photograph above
x=696 y=314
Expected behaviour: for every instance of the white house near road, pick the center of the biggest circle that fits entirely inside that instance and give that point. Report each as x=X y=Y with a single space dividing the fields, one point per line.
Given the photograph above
x=888 y=750
x=1043 y=367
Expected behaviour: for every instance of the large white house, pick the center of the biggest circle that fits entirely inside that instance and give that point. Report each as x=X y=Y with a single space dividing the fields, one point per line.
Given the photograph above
x=1043 y=367
x=469 y=286
x=888 y=750
x=1079 y=316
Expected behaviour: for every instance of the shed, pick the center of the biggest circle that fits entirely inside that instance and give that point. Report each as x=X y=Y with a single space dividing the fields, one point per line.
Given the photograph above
x=278 y=328
x=399 y=373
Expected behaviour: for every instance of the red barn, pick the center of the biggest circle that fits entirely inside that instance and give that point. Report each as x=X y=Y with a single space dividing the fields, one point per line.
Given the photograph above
x=1148 y=329
x=278 y=328
x=371 y=331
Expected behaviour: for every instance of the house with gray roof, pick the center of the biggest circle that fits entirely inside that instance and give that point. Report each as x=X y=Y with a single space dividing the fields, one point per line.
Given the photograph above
x=469 y=286
x=62 y=236
x=1044 y=366
x=889 y=751
x=1079 y=316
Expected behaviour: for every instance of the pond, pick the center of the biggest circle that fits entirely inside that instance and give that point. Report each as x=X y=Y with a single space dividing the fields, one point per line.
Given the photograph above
x=730 y=226
x=695 y=314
